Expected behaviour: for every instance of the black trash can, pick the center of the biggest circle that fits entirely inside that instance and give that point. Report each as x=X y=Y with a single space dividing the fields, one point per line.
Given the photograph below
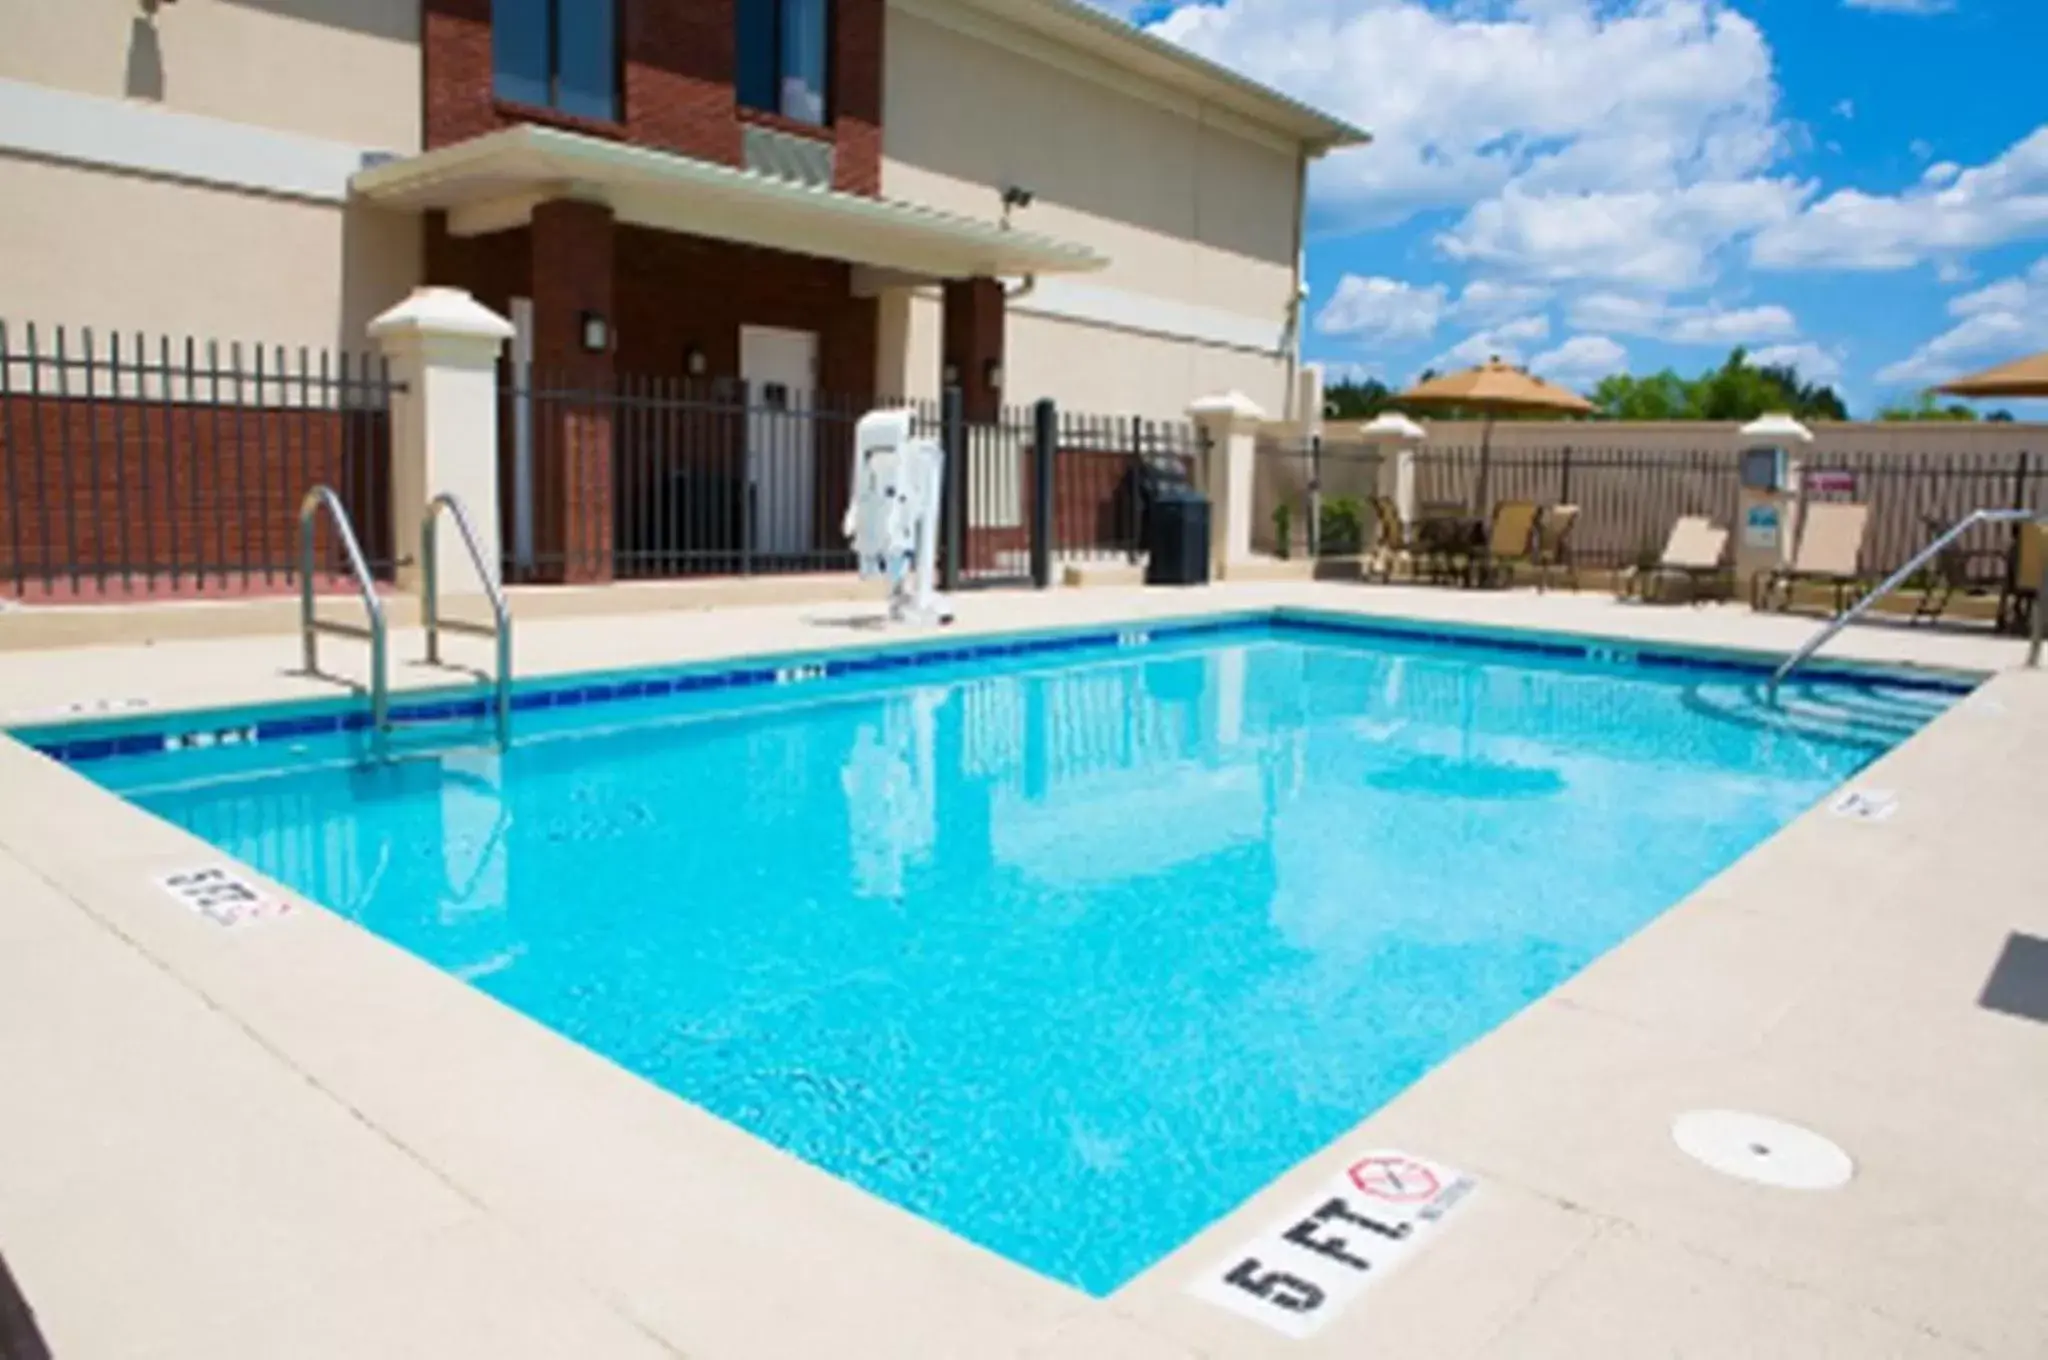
x=1177 y=538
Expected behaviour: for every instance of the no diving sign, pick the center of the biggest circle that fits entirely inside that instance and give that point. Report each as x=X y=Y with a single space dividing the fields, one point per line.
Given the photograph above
x=1304 y=1270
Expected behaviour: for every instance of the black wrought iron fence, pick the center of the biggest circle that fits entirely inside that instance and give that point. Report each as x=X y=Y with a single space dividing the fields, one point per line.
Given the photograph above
x=1915 y=497
x=1312 y=495
x=634 y=477
x=1628 y=499
x=1107 y=471
x=138 y=465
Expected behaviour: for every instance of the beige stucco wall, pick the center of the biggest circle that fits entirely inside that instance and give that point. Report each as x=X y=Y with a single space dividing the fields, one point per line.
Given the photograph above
x=348 y=70
x=81 y=246
x=1188 y=212
x=1105 y=372
x=1094 y=370
x=1942 y=438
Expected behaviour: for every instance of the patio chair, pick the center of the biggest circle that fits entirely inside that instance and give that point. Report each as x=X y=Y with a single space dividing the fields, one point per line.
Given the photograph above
x=1390 y=547
x=1692 y=554
x=1826 y=548
x=2016 y=605
x=1510 y=542
x=1553 y=545
x=1441 y=543
x=1955 y=570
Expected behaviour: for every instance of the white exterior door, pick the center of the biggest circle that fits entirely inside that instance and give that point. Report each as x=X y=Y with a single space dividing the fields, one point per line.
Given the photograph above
x=780 y=370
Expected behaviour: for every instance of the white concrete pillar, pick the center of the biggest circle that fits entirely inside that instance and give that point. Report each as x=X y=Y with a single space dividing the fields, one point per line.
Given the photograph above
x=443 y=346
x=1230 y=423
x=1392 y=430
x=1766 y=526
x=1309 y=399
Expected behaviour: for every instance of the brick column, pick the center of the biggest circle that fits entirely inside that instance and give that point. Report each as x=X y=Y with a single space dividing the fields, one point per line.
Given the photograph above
x=572 y=276
x=973 y=339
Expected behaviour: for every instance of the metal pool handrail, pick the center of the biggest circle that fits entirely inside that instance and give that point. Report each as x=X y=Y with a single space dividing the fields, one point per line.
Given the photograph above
x=1899 y=577
x=311 y=626
x=430 y=604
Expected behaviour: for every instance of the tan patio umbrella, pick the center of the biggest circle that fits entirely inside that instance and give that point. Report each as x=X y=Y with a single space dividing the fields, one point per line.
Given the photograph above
x=2021 y=378
x=1494 y=388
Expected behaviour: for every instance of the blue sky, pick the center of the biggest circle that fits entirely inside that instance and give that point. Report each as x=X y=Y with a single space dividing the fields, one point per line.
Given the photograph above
x=1856 y=186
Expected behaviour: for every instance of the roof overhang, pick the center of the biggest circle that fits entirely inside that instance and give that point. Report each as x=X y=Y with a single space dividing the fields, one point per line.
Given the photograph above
x=492 y=183
x=1082 y=27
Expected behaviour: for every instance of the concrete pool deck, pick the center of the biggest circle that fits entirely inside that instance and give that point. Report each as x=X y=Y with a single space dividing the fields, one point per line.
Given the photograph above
x=293 y=1138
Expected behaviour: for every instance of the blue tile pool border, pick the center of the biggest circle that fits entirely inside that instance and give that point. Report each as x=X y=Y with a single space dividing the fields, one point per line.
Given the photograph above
x=87 y=741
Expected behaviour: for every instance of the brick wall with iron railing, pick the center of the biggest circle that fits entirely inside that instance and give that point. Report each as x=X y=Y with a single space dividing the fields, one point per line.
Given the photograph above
x=135 y=465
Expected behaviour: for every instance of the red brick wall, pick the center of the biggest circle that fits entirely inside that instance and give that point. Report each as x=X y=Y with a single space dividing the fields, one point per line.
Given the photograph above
x=971 y=339
x=183 y=488
x=678 y=60
x=572 y=244
x=676 y=292
x=494 y=268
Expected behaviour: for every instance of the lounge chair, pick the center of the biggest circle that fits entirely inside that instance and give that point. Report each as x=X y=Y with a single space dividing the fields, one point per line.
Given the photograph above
x=1692 y=554
x=1510 y=543
x=2030 y=553
x=1553 y=544
x=1826 y=548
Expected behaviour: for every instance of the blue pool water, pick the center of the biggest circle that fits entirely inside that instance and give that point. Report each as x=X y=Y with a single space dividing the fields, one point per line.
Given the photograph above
x=1069 y=956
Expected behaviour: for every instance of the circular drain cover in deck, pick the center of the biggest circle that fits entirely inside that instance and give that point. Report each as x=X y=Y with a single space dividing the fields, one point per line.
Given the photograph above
x=1754 y=1147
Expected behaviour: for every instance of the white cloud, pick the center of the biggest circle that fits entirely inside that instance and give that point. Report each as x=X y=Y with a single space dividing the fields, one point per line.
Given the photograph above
x=1952 y=212
x=1651 y=122
x=1663 y=239
x=1708 y=324
x=1581 y=361
x=1999 y=321
x=1814 y=363
x=1488 y=302
x=1382 y=309
x=1902 y=6
x=1845 y=108
x=1505 y=341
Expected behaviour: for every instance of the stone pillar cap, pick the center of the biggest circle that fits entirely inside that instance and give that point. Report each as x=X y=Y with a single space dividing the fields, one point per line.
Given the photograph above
x=442 y=311
x=1233 y=404
x=1392 y=425
x=1774 y=430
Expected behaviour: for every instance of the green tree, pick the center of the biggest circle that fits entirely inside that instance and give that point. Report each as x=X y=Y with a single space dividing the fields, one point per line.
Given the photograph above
x=1660 y=396
x=1929 y=407
x=1356 y=400
x=1737 y=390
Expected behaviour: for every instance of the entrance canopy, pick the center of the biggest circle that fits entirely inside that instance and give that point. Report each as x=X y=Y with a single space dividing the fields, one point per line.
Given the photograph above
x=493 y=182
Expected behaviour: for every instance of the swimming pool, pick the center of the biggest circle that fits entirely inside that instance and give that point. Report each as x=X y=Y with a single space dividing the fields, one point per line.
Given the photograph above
x=1068 y=948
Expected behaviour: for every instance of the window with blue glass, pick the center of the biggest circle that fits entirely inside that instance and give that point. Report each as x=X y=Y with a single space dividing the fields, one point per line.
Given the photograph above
x=784 y=66
x=557 y=54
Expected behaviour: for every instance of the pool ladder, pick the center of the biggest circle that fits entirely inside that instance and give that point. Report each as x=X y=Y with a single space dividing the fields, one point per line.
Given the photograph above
x=375 y=630
x=1904 y=574
x=499 y=629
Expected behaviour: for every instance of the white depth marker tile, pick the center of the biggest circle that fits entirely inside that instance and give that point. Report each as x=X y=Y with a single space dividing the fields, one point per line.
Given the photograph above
x=1307 y=1268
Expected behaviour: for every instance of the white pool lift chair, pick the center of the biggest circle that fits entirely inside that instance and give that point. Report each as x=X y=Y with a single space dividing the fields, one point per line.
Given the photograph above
x=892 y=517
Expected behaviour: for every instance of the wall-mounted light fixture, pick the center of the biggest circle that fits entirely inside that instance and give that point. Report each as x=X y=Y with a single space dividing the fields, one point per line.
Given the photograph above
x=1015 y=196
x=597 y=333
x=694 y=362
x=992 y=374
